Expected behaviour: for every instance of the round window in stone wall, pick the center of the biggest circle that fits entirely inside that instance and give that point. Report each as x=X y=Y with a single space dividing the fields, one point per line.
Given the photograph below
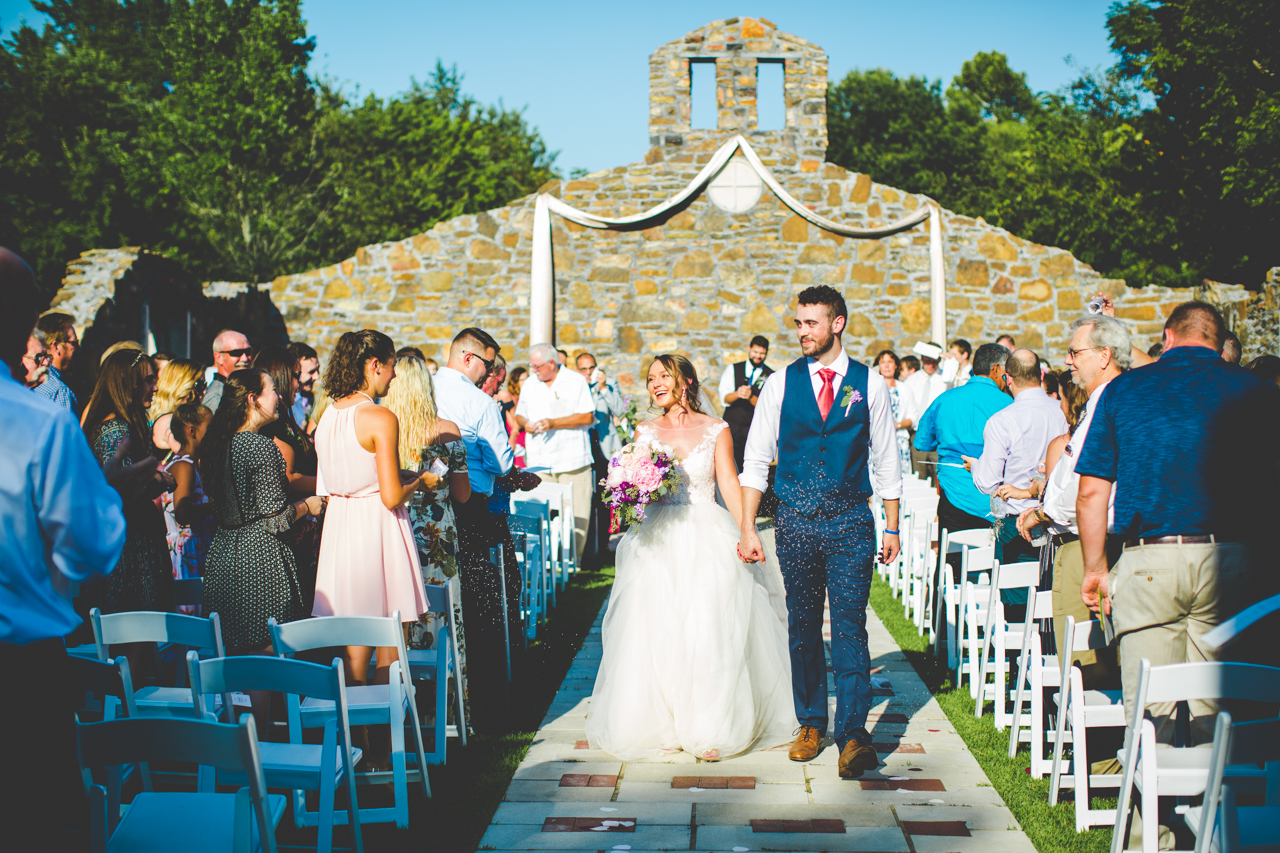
x=736 y=188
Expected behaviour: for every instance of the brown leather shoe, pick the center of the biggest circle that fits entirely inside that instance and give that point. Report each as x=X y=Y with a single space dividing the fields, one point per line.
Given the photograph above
x=856 y=758
x=807 y=745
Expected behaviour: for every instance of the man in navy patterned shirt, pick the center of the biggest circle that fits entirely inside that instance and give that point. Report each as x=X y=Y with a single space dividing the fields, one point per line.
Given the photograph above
x=62 y=343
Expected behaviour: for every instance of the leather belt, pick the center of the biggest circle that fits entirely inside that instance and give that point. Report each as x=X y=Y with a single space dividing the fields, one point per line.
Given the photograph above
x=1203 y=539
x=1063 y=538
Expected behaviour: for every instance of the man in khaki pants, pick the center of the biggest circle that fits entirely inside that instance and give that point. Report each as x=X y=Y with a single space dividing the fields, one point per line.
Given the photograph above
x=1189 y=443
x=556 y=410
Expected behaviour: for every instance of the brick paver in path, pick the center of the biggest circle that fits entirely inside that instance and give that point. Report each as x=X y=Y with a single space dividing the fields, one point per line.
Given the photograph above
x=928 y=796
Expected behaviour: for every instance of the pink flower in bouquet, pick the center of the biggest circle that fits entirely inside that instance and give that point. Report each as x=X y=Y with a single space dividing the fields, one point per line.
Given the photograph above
x=646 y=475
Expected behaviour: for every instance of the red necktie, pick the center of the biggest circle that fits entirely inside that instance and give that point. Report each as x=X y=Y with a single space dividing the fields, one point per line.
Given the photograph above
x=826 y=394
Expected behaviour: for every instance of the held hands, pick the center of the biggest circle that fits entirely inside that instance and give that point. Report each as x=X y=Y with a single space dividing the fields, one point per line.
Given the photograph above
x=750 y=549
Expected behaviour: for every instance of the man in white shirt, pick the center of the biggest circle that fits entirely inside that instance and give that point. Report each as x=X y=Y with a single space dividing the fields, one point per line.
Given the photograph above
x=1014 y=442
x=1099 y=351
x=921 y=388
x=60 y=522
x=829 y=421
x=956 y=363
x=557 y=412
x=740 y=386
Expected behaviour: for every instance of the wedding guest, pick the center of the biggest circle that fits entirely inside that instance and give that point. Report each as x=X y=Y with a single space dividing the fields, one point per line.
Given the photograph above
x=180 y=381
x=368 y=563
x=1007 y=342
x=1097 y=353
x=249 y=575
x=133 y=346
x=36 y=360
x=1189 y=444
x=115 y=414
x=1014 y=442
x=1231 y=349
x=957 y=367
x=61 y=523
x=424 y=439
x=888 y=365
x=300 y=463
x=409 y=352
x=557 y=412
x=161 y=359
x=609 y=404
x=953 y=426
x=432 y=367
x=1049 y=382
x=739 y=389
x=231 y=352
x=500 y=509
x=308 y=372
x=924 y=387
x=60 y=337
x=515 y=381
x=497 y=375
x=188 y=514
x=1266 y=367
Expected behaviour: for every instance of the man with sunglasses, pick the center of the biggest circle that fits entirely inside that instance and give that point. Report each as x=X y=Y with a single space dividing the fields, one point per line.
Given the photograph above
x=231 y=352
x=36 y=360
x=62 y=342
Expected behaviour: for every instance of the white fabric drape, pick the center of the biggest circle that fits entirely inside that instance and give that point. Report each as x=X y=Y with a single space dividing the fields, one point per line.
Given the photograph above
x=542 y=284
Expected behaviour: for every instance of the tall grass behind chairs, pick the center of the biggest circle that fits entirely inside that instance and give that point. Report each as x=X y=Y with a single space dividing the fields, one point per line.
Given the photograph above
x=1181 y=771
x=150 y=626
x=243 y=822
x=296 y=765
x=392 y=704
x=439 y=665
x=1218 y=823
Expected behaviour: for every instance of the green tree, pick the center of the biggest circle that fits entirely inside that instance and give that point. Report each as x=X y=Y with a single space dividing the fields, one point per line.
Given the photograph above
x=428 y=155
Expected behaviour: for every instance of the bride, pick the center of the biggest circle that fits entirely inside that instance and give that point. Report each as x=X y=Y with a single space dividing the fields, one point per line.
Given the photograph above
x=695 y=640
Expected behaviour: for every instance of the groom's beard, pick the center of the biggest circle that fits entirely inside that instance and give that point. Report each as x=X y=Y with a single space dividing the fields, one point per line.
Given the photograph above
x=820 y=346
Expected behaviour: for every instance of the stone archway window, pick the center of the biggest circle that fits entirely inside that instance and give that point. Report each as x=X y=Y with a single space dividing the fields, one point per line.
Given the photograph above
x=737 y=187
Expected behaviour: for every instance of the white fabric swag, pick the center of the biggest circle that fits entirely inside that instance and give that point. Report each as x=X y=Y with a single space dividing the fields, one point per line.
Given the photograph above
x=542 y=295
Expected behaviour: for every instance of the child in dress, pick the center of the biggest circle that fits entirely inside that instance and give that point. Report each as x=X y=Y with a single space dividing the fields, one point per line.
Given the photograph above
x=188 y=513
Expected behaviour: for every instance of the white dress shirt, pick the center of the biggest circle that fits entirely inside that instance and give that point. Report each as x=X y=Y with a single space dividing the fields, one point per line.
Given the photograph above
x=1014 y=442
x=59 y=520
x=1064 y=483
x=883 y=459
x=728 y=385
x=557 y=450
x=484 y=436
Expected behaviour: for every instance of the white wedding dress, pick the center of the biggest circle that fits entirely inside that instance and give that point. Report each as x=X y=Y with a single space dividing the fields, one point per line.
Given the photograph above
x=695 y=640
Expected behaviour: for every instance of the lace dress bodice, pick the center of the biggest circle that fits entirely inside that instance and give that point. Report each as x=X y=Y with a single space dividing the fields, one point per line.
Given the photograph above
x=695 y=460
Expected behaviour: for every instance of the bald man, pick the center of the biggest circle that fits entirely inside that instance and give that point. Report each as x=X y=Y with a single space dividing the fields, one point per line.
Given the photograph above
x=1014 y=442
x=231 y=352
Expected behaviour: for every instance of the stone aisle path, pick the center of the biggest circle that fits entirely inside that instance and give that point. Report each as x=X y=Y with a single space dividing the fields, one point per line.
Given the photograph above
x=929 y=795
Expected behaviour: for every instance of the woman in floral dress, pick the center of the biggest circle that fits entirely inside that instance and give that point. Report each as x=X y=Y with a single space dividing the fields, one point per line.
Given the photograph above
x=426 y=438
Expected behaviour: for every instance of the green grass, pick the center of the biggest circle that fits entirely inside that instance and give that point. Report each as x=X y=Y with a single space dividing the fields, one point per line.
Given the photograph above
x=1051 y=830
x=468 y=788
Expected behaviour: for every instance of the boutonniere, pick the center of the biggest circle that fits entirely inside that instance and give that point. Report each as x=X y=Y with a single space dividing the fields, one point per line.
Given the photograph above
x=850 y=397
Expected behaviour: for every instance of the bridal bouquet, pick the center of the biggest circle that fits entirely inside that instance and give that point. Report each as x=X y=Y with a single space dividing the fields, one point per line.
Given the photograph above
x=637 y=474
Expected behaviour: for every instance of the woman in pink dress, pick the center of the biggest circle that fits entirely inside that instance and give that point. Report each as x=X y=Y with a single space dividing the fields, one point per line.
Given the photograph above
x=368 y=557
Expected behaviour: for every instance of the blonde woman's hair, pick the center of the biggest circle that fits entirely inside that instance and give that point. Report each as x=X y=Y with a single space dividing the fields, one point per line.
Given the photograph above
x=177 y=379
x=320 y=402
x=412 y=399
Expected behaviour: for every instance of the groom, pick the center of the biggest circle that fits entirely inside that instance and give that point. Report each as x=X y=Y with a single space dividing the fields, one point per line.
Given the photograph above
x=828 y=419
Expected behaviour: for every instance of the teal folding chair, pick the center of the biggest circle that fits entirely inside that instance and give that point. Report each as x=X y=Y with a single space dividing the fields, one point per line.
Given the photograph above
x=541 y=509
x=243 y=822
x=153 y=626
x=529 y=535
x=300 y=766
x=438 y=665
x=392 y=704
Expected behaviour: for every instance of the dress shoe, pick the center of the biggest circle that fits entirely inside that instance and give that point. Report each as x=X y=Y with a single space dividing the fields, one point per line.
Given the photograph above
x=856 y=758
x=807 y=745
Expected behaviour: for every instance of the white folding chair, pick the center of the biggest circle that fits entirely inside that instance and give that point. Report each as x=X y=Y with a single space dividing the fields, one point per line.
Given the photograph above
x=1078 y=711
x=438 y=665
x=529 y=531
x=392 y=704
x=300 y=766
x=150 y=626
x=541 y=509
x=972 y=612
x=241 y=822
x=1000 y=635
x=1036 y=671
x=1220 y=826
x=553 y=496
x=952 y=622
x=1180 y=771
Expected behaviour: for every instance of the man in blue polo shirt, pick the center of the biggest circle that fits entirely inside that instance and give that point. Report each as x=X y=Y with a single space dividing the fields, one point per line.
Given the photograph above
x=953 y=426
x=1190 y=443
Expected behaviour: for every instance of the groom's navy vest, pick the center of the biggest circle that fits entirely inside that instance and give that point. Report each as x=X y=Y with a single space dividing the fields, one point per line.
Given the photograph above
x=823 y=465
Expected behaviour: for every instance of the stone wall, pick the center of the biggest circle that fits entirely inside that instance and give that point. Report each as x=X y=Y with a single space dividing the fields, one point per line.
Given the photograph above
x=706 y=280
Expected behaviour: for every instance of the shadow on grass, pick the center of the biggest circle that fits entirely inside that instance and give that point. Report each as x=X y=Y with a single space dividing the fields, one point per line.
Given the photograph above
x=1051 y=829
x=468 y=788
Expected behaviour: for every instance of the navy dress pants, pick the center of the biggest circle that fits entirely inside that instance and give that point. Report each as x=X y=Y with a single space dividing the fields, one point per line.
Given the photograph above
x=829 y=556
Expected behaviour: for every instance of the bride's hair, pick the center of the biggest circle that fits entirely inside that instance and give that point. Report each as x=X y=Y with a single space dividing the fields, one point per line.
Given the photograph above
x=685 y=376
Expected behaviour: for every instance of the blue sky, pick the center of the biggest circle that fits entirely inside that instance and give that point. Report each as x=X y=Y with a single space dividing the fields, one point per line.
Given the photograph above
x=580 y=69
